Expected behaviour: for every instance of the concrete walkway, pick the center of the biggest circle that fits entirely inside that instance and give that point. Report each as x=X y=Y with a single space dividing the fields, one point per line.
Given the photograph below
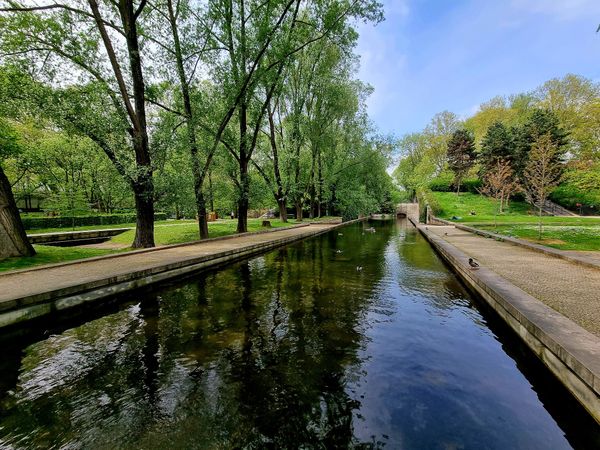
x=32 y=293
x=571 y=289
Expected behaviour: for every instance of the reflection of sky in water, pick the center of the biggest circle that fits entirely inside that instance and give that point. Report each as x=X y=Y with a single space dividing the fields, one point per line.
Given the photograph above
x=293 y=348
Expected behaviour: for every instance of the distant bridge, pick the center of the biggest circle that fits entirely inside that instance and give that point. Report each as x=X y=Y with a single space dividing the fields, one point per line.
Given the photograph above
x=408 y=210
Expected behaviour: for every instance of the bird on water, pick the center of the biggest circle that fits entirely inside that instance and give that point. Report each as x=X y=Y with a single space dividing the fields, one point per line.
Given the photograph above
x=473 y=264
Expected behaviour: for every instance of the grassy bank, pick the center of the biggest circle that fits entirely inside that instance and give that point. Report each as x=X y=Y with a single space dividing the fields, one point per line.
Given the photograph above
x=562 y=237
x=565 y=233
x=459 y=208
x=47 y=254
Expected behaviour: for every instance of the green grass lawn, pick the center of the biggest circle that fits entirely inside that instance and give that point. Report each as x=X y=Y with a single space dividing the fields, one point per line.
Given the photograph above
x=177 y=233
x=561 y=237
x=451 y=205
x=565 y=233
x=47 y=254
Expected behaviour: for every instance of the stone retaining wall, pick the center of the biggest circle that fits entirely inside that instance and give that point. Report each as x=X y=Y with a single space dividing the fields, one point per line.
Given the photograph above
x=67 y=236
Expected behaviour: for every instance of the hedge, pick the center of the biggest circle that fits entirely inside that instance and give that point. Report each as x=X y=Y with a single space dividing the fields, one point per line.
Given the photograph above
x=32 y=223
x=444 y=183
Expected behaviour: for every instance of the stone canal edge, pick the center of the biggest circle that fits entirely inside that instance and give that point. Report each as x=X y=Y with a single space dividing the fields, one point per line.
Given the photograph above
x=20 y=303
x=570 y=352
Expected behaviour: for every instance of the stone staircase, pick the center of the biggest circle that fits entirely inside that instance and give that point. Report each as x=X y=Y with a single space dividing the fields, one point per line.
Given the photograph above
x=554 y=209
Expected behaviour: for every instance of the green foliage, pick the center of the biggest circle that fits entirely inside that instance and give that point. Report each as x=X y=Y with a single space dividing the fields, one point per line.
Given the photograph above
x=9 y=143
x=541 y=122
x=442 y=183
x=472 y=185
x=461 y=154
x=497 y=145
x=576 y=199
x=32 y=223
x=485 y=208
x=354 y=201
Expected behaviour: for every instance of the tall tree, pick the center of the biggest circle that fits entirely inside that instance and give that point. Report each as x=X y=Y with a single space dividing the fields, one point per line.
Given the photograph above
x=99 y=40
x=541 y=122
x=542 y=173
x=497 y=145
x=461 y=155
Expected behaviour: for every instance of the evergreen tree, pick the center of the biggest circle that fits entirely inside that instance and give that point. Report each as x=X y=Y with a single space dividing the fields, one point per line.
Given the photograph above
x=497 y=145
x=542 y=122
x=461 y=155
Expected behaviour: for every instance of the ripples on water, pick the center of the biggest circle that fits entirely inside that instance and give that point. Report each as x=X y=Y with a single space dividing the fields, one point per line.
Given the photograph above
x=296 y=348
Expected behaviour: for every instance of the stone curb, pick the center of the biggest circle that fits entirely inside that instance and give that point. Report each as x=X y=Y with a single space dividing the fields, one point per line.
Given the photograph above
x=570 y=352
x=581 y=260
x=18 y=310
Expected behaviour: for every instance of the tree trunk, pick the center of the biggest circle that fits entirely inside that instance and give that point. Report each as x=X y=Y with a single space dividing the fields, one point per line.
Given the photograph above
x=144 y=207
x=13 y=239
x=201 y=213
x=320 y=191
x=458 y=187
x=190 y=130
x=540 y=222
x=298 y=211
x=281 y=196
x=211 y=195
x=282 y=210
x=243 y=202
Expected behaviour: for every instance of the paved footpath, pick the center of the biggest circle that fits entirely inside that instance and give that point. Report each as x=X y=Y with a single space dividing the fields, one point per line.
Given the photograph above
x=45 y=281
x=571 y=289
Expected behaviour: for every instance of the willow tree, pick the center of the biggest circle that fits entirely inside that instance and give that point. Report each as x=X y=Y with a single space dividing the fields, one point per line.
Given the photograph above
x=90 y=53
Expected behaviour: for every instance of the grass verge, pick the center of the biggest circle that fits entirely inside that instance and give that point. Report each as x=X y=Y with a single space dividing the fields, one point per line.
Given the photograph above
x=47 y=254
x=582 y=238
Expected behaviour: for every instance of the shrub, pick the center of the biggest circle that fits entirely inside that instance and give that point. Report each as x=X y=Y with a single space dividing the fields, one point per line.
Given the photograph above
x=32 y=223
x=425 y=198
x=442 y=183
x=570 y=196
x=445 y=183
x=471 y=185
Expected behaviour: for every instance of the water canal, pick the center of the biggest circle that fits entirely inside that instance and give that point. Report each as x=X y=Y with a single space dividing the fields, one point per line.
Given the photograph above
x=295 y=348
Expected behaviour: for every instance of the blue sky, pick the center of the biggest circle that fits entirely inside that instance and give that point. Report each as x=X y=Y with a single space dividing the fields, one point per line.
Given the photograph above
x=435 y=55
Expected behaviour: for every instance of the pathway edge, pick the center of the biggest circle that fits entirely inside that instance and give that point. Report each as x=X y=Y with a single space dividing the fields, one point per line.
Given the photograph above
x=556 y=253
x=570 y=352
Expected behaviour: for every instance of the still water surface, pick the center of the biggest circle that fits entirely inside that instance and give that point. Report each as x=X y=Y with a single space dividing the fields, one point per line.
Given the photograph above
x=296 y=348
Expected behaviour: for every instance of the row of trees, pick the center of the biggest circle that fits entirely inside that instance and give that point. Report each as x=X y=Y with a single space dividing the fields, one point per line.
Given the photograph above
x=171 y=100
x=562 y=116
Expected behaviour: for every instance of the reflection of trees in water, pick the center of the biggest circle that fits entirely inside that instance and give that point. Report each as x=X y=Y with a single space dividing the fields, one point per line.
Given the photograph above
x=250 y=355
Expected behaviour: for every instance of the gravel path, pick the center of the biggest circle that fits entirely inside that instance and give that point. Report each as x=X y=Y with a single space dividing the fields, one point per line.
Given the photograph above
x=568 y=288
